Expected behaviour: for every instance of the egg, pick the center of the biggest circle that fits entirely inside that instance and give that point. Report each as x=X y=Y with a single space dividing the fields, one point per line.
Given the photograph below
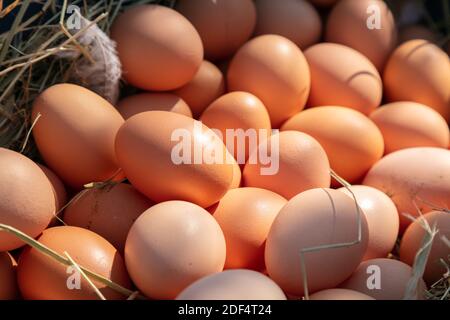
x=143 y=102
x=275 y=70
x=180 y=160
x=383 y=279
x=237 y=177
x=170 y=246
x=245 y=216
x=41 y=277
x=367 y=26
x=416 y=31
x=207 y=85
x=339 y=294
x=59 y=190
x=341 y=76
x=75 y=134
x=159 y=48
x=8 y=289
x=410 y=124
x=352 y=142
x=382 y=219
x=419 y=71
x=239 y=284
x=412 y=242
x=109 y=211
x=27 y=201
x=415 y=179
x=223 y=25
x=297 y=162
x=323 y=3
x=296 y=20
x=315 y=218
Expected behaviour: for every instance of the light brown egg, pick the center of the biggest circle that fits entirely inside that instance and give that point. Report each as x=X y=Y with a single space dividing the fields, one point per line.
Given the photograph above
x=223 y=25
x=143 y=102
x=245 y=216
x=413 y=177
x=237 y=177
x=296 y=20
x=27 y=201
x=413 y=238
x=315 y=218
x=297 y=162
x=41 y=277
x=275 y=70
x=383 y=279
x=367 y=26
x=410 y=124
x=59 y=190
x=8 y=288
x=323 y=3
x=237 y=284
x=170 y=246
x=75 y=134
x=159 y=48
x=207 y=85
x=339 y=294
x=382 y=219
x=416 y=31
x=352 y=142
x=419 y=71
x=341 y=76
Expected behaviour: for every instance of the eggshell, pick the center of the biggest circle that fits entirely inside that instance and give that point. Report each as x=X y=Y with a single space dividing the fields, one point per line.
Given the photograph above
x=413 y=238
x=393 y=278
x=207 y=85
x=75 y=133
x=142 y=102
x=341 y=76
x=245 y=216
x=170 y=246
x=237 y=177
x=296 y=20
x=416 y=31
x=223 y=25
x=147 y=153
x=413 y=177
x=410 y=124
x=159 y=48
x=109 y=212
x=297 y=163
x=8 y=287
x=237 y=284
x=27 y=201
x=339 y=294
x=41 y=277
x=354 y=23
x=419 y=71
x=275 y=70
x=59 y=190
x=352 y=142
x=314 y=218
x=382 y=219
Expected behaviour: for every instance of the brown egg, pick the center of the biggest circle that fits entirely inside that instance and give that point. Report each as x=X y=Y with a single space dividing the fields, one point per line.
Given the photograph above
x=237 y=177
x=314 y=218
x=109 y=212
x=237 y=284
x=27 y=201
x=410 y=124
x=142 y=102
x=159 y=48
x=223 y=25
x=339 y=294
x=59 y=190
x=415 y=178
x=383 y=279
x=245 y=216
x=419 y=71
x=382 y=219
x=43 y=278
x=75 y=133
x=175 y=160
x=416 y=31
x=367 y=26
x=297 y=162
x=323 y=3
x=413 y=238
x=296 y=20
x=242 y=120
x=8 y=287
x=352 y=142
x=275 y=70
x=341 y=76
x=170 y=246
x=207 y=85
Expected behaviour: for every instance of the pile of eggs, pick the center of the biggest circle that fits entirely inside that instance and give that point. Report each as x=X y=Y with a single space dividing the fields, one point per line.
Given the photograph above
x=333 y=94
